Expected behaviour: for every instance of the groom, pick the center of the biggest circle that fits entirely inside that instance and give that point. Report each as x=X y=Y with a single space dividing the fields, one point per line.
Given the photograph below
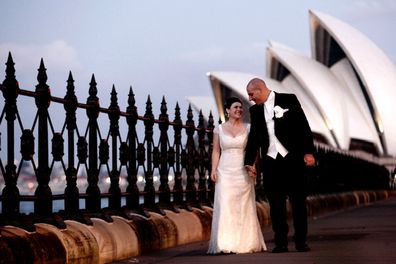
x=280 y=131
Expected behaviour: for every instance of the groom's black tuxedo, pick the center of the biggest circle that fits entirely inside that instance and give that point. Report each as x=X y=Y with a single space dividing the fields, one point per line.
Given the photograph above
x=284 y=176
x=292 y=130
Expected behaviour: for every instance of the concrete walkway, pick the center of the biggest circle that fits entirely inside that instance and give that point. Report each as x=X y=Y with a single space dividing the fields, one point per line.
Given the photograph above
x=360 y=235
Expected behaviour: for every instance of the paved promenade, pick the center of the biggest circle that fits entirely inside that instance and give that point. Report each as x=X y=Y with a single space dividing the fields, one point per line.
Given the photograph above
x=361 y=235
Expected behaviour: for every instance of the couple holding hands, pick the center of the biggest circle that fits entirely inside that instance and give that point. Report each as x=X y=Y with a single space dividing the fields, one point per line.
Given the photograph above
x=279 y=132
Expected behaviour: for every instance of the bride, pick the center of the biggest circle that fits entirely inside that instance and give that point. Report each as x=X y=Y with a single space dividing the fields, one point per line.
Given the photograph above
x=235 y=226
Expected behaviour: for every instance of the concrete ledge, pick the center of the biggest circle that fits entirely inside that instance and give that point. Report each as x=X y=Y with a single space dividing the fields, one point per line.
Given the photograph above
x=83 y=246
x=41 y=246
x=107 y=242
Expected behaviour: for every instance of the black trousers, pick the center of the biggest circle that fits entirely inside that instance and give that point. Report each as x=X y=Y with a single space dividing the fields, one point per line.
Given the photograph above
x=284 y=179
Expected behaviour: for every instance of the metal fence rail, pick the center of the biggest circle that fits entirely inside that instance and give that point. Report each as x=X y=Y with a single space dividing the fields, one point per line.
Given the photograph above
x=183 y=150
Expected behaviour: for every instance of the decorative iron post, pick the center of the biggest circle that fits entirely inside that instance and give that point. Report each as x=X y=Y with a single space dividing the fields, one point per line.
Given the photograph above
x=149 y=196
x=93 y=191
x=209 y=162
x=190 y=166
x=132 y=199
x=10 y=193
x=114 y=116
x=201 y=160
x=71 y=191
x=178 y=187
x=164 y=196
x=43 y=202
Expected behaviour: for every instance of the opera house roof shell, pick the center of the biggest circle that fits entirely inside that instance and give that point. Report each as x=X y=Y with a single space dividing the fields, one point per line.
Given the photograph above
x=347 y=88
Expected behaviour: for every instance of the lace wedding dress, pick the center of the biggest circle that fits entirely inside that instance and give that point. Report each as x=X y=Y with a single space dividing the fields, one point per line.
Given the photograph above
x=235 y=226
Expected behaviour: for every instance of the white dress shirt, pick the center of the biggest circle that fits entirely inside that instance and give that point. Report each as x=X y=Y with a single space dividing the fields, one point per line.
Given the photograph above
x=275 y=146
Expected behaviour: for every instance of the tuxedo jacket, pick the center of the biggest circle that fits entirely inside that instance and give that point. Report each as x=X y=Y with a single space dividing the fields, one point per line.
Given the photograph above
x=292 y=129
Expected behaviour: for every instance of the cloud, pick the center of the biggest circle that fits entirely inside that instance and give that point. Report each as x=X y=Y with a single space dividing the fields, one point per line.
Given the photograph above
x=57 y=55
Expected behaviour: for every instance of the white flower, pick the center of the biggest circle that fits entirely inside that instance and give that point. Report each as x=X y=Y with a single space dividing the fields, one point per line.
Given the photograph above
x=279 y=111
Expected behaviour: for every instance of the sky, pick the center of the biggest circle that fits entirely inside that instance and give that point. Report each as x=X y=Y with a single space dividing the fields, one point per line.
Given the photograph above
x=165 y=48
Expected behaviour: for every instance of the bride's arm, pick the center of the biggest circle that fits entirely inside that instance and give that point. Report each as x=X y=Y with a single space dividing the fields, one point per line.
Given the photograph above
x=251 y=169
x=215 y=156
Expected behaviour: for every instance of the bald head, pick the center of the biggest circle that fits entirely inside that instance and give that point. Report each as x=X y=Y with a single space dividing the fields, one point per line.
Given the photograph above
x=257 y=90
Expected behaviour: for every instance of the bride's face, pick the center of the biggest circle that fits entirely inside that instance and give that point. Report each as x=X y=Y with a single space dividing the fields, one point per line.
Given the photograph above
x=235 y=111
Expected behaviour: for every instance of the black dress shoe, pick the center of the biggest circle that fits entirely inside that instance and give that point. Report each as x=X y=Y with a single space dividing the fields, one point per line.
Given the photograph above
x=302 y=248
x=280 y=249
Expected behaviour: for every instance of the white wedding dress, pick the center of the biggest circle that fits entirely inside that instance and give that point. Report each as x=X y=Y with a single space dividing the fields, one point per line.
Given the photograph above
x=235 y=226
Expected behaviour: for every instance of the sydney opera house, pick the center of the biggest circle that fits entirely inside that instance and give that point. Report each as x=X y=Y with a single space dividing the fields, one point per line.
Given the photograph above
x=347 y=87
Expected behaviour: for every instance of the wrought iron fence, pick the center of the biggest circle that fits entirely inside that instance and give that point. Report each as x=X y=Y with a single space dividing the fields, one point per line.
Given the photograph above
x=169 y=174
x=186 y=158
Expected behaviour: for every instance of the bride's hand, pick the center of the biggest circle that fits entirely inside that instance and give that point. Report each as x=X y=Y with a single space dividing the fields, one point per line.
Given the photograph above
x=213 y=176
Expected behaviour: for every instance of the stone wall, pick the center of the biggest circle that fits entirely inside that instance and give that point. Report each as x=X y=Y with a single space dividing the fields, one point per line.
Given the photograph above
x=105 y=242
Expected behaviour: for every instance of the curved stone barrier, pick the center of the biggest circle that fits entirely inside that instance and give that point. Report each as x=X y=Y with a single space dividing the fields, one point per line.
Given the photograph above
x=41 y=246
x=263 y=214
x=83 y=246
x=188 y=226
x=105 y=242
x=166 y=231
x=78 y=247
x=116 y=240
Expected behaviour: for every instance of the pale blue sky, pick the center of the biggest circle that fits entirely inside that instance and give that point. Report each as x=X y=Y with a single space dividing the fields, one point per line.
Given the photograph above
x=166 y=47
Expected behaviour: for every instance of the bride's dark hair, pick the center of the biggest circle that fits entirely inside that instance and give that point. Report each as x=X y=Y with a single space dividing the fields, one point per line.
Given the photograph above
x=231 y=100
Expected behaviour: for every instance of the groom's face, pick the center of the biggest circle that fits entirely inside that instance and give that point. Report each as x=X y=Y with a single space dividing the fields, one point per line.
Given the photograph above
x=254 y=94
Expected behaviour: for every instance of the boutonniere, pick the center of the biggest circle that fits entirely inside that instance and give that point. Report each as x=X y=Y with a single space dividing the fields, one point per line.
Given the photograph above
x=279 y=111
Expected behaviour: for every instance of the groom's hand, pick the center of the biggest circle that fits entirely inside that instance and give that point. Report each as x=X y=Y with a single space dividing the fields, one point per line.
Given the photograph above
x=251 y=170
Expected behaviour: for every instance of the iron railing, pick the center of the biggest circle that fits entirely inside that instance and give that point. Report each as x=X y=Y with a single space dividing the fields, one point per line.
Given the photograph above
x=169 y=174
